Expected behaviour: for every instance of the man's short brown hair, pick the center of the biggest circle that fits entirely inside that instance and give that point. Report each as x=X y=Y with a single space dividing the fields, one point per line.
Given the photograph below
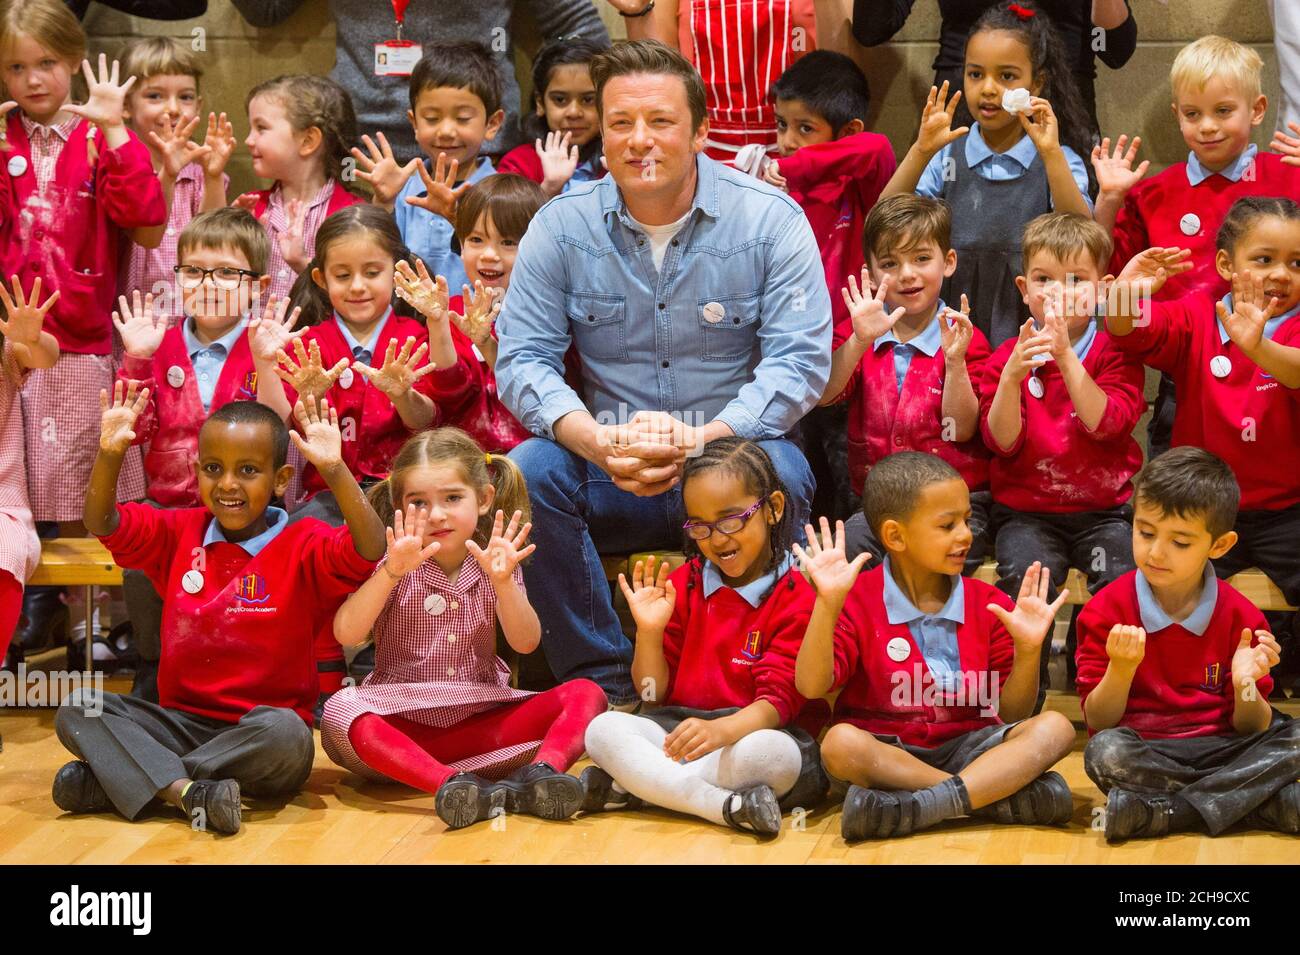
x=653 y=57
x=905 y=221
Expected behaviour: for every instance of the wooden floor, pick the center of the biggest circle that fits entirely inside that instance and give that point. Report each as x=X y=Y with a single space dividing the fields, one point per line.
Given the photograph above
x=340 y=818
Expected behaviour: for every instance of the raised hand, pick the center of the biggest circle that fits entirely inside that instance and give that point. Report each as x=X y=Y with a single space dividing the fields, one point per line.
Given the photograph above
x=651 y=597
x=1115 y=172
x=441 y=192
x=270 y=330
x=220 y=144
x=139 y=325
x=1057 y=330
x=117 y=418
x=559 y=160
x=1032 y=349
x=248 y=202
x=956 y=332
x=1032 y=617
x=399 y=371
x=1039 y=122
x=824 y=564
x=24 y=317
x=867 y=308
x=307 y=373
x=1288 y=146
x=1150 y=268
x=505 y=549
x=425 y=294
x=482 y=306
x=1252 y=664
x=1126 y=646
x=103 y=106
x=176 y=148
x=406 y=549
x=293 y=240
x=772 y=176
x=936 y=121
x=1251 y=311
x=320 y=441
x=377 y=167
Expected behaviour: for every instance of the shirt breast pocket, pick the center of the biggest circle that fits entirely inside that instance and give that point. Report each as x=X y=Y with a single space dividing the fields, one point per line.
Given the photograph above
x=599 y=325
x=729 y=327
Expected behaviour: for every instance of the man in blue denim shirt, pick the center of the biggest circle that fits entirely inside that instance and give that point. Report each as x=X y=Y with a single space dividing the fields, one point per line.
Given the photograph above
x=696 y=301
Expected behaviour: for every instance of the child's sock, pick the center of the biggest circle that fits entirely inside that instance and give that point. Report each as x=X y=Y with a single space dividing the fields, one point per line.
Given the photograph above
x=945 y=800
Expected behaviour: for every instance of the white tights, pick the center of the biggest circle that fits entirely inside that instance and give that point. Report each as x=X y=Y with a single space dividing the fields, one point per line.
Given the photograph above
x=631 y=749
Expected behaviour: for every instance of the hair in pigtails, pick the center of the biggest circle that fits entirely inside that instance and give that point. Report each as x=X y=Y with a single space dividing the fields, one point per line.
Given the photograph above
x=380 y=498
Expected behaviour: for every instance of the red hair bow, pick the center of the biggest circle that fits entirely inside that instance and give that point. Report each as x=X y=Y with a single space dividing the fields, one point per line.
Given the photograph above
x=1023 y=13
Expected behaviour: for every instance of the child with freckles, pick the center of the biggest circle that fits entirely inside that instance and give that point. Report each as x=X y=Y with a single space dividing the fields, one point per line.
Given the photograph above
x=715 y=647
x=1174 y=672
x=937 y=673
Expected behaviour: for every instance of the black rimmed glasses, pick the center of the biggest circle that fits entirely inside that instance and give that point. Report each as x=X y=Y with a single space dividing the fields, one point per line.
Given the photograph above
x=191 y=276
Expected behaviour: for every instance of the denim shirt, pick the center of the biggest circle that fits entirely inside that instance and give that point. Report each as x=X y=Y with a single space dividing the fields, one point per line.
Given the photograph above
x=757 y=358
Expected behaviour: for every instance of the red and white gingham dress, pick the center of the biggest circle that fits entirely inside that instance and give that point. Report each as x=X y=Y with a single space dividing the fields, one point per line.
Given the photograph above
x=20 y=549
x=277 y=224
x=435 y=663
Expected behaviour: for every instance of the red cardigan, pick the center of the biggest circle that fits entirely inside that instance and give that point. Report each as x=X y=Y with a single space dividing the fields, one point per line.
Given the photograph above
x=95 y=193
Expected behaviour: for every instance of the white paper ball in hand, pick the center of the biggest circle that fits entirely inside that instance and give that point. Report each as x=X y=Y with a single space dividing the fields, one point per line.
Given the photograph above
x=1016 y=100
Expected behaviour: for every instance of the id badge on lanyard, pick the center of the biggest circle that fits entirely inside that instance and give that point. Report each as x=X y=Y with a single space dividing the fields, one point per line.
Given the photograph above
x=397 y=57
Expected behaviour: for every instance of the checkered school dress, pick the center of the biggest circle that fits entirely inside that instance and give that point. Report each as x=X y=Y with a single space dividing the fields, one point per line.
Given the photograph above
x=435 y=663
x=277 y=224
x=20 y=550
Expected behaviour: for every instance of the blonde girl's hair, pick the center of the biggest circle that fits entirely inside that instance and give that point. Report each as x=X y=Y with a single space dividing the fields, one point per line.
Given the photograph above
x=49 y=22
x=452 y=447
x=316 y=101
x=158 y=56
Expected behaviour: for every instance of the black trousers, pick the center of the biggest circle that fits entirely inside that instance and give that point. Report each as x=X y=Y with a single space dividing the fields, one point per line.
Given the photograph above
x=1100 y=543
x=1223 y=777
x=858 y=536
x=826 y=445
x=136 y=748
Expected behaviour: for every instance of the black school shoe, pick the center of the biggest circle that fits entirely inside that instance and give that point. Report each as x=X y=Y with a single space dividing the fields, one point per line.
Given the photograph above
x=213 y=804
x=77 y=790
x=759 y=811
x=875 y=814
x=1132 y=814
x=466 y=798
x=1044 y=802
x=600 y=794
x=543 y=791
x=1280 y=812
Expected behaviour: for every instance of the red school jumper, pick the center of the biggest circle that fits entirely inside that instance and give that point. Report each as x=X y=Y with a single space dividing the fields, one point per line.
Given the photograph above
x=1183 y=686
x=247 y=638
x=865 y=668
x=483 y=417
x=171 y=420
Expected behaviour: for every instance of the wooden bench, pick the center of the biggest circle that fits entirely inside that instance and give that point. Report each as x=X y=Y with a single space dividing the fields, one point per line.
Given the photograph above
x=1253 y=584
x=78 y=562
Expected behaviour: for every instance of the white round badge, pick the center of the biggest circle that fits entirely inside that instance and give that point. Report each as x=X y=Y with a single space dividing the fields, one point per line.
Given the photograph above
x=346 y=379
x=1220 y=366
x=175 y=376
x=17 y=165
x=714 y=313
x=898 y=649
x=192 y=582
x=1036 y=387
x=435 y=604
x=1190 y=224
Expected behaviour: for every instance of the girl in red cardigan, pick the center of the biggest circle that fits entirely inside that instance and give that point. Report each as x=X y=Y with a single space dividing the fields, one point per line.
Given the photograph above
x=565 y=126
x=716 y=643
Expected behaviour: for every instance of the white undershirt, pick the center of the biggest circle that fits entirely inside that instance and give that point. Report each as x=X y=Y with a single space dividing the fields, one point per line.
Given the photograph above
x=660 y=236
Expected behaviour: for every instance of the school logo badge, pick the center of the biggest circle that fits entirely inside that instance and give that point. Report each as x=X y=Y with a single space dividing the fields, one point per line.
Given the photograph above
x=1213 y=678
x=248 y=390
x=753 y=646
x=251 y=589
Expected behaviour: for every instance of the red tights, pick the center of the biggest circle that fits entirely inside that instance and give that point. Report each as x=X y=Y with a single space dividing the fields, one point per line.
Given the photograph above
x=11 y=608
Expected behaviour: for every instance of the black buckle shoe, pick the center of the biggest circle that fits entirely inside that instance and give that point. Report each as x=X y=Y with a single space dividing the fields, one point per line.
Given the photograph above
x=875 y=814
x=1046 y=801
x=76 y=789
x=1280 y=812
x=1130 y=814
x=543 y=791
x=600 y=794
x=466 y=798
x=759 y=811
x=213 y=804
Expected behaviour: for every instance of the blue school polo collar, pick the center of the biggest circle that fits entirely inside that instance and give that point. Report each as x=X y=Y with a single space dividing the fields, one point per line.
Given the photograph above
x=977 y=150
x=353 y=344
x=277 y=519
x=899 y=609
x=754 y=592
x=1197 y=173
x=1270 y=327
x=1084 y=344
x=1154 y=618
x=225 y=344
x=705 y=199
x=927 y=342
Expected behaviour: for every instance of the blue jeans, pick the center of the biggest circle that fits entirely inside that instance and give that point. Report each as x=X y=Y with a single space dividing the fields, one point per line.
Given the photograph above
x=578 y=514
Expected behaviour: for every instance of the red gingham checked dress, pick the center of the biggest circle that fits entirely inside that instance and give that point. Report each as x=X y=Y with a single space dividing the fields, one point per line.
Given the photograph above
x=20 y=549
x=435 y=663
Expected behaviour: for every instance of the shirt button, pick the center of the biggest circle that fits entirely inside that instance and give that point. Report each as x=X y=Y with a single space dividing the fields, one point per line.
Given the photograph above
x=591 y=318
x=663 y=305
x=451 y=638
x=665 y=364
x=455 y=605
x=451 y=671
x=640 y=241
x=283 y=272
x=898 y=441
x=675 y=243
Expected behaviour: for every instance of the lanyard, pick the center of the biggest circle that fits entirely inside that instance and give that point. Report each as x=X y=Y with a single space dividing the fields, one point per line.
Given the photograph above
x=399 y=14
